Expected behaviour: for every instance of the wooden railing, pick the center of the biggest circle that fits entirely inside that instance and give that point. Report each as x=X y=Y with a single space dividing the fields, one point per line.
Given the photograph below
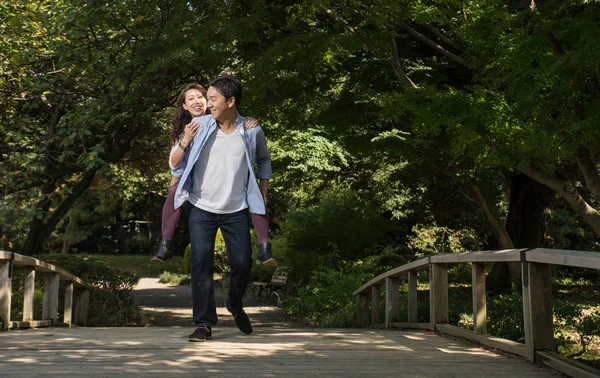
x=76 y=299
x=537 y=300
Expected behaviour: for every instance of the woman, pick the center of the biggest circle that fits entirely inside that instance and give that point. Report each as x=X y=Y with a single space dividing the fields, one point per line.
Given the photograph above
x=191 y=103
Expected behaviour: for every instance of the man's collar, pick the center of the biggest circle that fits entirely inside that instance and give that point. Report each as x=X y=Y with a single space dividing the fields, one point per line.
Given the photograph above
x=239 y=121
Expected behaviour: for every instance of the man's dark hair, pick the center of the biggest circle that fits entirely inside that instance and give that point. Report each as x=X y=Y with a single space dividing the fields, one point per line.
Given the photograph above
x=229 y=87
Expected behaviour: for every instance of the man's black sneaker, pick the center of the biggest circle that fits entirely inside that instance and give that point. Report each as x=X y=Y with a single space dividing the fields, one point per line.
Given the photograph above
x=201 y=334
x=241 y=319
x=164 y=254
x=264 y=255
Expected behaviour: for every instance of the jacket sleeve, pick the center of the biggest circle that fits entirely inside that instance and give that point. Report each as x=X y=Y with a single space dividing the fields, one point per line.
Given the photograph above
x=178 y=171
x=263 y=158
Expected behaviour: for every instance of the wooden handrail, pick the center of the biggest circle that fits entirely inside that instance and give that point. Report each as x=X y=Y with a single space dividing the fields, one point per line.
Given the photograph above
x=537 y=299
x=76 y=301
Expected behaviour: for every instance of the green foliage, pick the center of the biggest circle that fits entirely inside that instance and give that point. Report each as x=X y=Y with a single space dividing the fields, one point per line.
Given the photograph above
x=340 y=224
x=221 y=264
x=506 y=317
x=111 y=302
x=575 y=325
x=429 y=240
x=16 y=306
x=221 y=261
x=174 y=278
x=326 y=300
x=187 y=266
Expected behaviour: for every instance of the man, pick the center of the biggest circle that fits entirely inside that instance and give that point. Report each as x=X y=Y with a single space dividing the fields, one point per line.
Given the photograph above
x=219 y=183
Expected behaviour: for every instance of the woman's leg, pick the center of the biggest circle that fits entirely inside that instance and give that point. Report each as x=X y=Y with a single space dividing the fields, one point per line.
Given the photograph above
x=261 y=225
x=170 y=218
x=170 y=215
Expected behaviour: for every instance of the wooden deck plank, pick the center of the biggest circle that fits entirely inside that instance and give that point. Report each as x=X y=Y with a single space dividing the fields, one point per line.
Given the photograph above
x=270 y=351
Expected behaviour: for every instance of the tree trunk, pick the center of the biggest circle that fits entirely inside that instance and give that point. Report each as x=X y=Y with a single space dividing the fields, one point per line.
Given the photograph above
x=37 y=224
x=493 y=219
x=525 y=224
x=37 y=237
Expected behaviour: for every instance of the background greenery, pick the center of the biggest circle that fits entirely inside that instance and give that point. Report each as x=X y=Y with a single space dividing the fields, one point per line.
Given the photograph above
x=398 y=129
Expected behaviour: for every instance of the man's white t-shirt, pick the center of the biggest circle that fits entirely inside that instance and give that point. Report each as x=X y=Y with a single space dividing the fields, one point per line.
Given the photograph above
x=220 y=175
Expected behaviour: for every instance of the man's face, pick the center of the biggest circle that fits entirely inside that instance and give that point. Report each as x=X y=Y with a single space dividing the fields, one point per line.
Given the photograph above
x=218 y=104
x=195 y=103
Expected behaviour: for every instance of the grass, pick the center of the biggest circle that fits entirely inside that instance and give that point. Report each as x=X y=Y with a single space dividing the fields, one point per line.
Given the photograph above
x=174 y=278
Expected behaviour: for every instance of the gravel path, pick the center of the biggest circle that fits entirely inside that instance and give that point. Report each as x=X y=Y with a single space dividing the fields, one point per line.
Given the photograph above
x=171 y=305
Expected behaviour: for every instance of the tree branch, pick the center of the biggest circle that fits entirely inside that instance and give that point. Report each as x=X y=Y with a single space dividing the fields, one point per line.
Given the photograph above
x=443 y=38
x=432 y=44
x=569 y=192
x=393 y=61
x=587 y=166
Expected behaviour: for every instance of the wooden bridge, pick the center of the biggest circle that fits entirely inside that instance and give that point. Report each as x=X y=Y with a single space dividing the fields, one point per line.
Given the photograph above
x=428 y=350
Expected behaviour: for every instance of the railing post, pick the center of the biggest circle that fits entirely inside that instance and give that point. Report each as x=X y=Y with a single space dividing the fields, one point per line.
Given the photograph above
x=438 y=294
x=392 y=297
x=28 y=293
x=537 y=308
x=50 y=304
x=5 y=293
x=81 y=302
x=375 y=296
x=68 y=305
x=362 y=313
x=479 y=299
x=412 y=296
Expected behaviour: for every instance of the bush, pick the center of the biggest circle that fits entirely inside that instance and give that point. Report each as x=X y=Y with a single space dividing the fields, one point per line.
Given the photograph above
x=327 y=299
x=111 y=302
x=341 y=224
x=506 y=317
x=574 y=329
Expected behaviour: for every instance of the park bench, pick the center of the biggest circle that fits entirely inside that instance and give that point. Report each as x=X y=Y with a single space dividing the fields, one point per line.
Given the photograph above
x=272 y=288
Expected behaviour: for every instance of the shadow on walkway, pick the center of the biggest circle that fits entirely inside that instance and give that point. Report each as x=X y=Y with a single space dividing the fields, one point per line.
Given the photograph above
x=171 y=305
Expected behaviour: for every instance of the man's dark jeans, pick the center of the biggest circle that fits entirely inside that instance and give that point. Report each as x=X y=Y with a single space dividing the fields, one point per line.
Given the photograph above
x=235 y=228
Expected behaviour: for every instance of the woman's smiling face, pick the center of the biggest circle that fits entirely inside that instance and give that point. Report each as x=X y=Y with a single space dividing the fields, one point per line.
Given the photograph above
x=195 y=102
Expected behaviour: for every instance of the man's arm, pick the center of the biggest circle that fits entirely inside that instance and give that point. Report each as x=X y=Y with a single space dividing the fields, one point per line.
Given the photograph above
x=263 y=158
x=264 y=189
x=263 y=163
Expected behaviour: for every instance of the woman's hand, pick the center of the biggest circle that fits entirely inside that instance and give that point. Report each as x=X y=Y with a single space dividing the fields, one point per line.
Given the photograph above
x=190 y=131
x=251 y=123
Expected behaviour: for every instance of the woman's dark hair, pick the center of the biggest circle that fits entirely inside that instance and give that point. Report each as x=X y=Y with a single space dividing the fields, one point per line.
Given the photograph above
x=182 y=116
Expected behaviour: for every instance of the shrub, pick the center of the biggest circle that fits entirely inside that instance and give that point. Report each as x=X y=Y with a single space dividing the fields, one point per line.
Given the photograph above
x=506 y=317
x=340 y=226
x=573 y=328
x=327 y=300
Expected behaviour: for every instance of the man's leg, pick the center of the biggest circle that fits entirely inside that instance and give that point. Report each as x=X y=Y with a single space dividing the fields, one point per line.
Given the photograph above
x=236 y=233
x=203 y=229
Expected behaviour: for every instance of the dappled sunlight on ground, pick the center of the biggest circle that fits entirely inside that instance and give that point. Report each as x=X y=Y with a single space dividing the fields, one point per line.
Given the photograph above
x=268 y=351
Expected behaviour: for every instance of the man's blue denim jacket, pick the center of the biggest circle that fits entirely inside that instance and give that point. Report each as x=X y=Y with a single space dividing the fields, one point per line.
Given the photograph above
x=256 y=152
